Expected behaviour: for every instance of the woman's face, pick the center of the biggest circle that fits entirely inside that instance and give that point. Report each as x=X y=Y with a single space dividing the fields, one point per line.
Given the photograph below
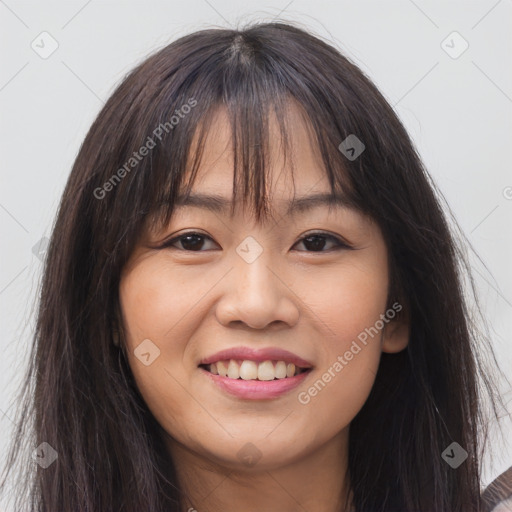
x=260 y=287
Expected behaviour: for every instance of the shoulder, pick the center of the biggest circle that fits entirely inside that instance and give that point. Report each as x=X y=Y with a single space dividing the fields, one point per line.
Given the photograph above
x=497 y=496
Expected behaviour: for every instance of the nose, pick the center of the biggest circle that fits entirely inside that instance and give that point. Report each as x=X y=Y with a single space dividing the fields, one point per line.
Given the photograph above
x=255 y=294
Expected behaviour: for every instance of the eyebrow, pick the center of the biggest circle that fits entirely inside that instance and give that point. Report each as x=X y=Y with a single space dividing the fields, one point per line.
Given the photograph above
x=220 y=204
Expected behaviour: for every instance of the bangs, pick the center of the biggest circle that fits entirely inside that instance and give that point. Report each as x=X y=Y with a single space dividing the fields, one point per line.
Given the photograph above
x=252 y=92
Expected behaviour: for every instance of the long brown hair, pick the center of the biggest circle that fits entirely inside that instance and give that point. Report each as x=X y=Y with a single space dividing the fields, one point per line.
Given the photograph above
x=79 y=395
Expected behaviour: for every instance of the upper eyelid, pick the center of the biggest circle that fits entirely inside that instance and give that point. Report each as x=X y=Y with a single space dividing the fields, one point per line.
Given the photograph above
x=340 y=241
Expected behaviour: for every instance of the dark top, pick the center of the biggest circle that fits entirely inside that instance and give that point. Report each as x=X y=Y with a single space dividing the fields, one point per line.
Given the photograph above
x=498 y=494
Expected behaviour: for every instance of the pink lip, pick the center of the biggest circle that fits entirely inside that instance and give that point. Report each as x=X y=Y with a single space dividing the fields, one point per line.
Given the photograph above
x=257 y=355
x=256 y=389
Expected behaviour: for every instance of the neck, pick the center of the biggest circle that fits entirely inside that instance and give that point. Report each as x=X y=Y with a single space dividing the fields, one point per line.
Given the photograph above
x=315 y=481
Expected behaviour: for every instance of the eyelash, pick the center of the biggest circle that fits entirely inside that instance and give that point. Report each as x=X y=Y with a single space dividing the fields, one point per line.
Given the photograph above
x=340 y=244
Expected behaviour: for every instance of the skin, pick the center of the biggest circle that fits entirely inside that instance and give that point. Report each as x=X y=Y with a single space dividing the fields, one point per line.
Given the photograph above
x=193 y=303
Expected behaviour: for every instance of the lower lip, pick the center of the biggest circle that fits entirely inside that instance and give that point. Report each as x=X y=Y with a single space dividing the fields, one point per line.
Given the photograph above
x=256 y=389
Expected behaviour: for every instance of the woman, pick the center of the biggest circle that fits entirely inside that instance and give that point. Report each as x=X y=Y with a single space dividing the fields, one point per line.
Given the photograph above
x=200 y=347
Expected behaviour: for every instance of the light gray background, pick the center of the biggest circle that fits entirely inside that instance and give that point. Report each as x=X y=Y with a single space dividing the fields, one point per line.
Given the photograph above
x=458 y=111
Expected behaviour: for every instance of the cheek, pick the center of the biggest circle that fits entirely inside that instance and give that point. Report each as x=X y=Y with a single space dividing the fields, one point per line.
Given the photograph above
x=348 y=299
x=155 y=299
x=349 y=307
x=158 y=304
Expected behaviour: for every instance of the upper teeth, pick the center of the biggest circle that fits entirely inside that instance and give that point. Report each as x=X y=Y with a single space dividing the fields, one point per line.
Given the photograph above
x=250 y=370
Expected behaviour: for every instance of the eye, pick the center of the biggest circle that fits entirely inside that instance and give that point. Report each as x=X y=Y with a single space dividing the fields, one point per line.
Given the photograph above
x=189 y=241
x=317 y=241
x=314 y=242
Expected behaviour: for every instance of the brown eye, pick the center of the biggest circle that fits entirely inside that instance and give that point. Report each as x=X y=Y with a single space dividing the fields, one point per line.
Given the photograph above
x=316 y=242
x=192 y=241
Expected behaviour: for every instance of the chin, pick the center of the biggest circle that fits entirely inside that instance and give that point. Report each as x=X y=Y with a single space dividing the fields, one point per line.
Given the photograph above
x=261 y=454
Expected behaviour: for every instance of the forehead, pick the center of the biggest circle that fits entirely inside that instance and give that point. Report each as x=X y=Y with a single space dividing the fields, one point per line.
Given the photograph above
x=301 y=205
x=278 y=160
x=298 y=171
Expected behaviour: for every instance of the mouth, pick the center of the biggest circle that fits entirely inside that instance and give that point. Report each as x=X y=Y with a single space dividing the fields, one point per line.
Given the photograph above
x=247 y=369
x=255 y=374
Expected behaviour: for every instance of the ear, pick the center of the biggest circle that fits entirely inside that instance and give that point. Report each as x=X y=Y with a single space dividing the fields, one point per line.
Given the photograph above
x=395 y=335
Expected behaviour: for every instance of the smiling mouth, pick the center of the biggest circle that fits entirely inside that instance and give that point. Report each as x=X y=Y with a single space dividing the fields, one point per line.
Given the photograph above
x=252 y=370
